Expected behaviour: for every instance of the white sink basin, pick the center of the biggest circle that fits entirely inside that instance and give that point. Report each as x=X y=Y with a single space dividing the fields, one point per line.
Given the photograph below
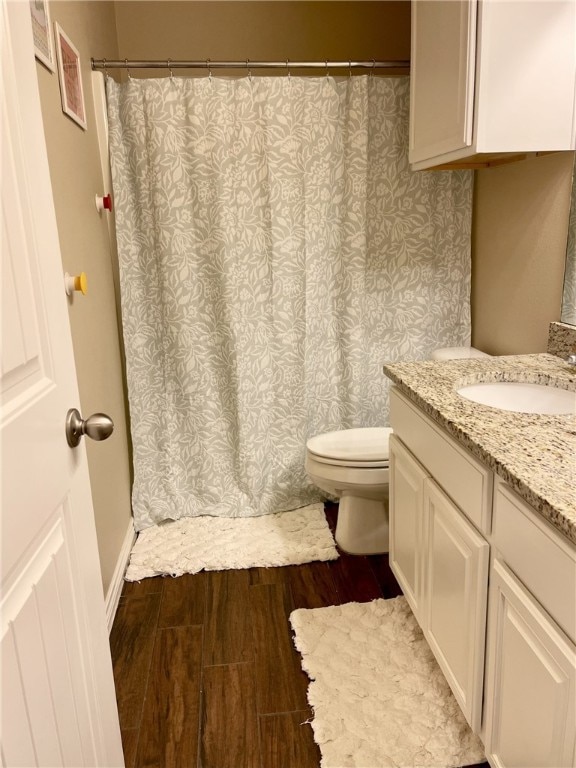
x=521 y=397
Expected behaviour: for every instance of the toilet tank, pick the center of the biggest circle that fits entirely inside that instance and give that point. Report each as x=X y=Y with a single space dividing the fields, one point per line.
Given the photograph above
x=457 y=353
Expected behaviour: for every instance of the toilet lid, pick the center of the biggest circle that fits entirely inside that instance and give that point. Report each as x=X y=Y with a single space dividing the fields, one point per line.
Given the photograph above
x=364 y=444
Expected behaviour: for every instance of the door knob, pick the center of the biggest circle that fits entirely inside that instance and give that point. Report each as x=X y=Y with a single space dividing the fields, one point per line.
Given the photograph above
x=99 y=426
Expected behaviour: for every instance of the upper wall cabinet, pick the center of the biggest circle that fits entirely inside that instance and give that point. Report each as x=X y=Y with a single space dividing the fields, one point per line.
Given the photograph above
x=491 y=79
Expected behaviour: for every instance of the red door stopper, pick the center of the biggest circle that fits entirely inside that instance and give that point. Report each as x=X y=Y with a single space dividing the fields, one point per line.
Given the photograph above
x=103 y=203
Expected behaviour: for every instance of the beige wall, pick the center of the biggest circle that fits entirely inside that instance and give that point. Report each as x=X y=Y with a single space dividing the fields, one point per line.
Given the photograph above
x=518 y=251
x=263 y=30
x=73 y=155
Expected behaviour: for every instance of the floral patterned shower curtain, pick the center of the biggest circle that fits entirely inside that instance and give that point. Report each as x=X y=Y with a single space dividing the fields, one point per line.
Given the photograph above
x=274 y=251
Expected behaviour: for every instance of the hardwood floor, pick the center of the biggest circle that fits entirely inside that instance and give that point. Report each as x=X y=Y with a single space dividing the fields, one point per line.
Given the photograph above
x=206 y=672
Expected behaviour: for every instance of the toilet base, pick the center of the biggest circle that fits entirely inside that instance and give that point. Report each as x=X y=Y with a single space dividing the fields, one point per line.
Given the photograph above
x=362 y=525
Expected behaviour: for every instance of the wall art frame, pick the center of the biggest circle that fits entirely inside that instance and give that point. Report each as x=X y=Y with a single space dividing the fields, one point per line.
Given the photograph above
x=42 y=33
x=70 y=75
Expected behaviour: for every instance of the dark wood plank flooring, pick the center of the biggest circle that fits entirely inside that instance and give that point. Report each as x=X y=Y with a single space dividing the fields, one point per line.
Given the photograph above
x=206 y=672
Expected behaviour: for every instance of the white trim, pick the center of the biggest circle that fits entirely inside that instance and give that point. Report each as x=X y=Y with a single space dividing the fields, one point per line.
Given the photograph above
x=117 y=582
x=101 y=120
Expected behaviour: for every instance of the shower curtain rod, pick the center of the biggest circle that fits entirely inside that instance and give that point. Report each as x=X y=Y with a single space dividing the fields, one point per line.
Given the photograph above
x=287 y=65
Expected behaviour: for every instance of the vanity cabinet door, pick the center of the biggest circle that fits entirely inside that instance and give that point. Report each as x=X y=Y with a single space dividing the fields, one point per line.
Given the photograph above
x=530 y=684
x=407 y=478
x=456 y=580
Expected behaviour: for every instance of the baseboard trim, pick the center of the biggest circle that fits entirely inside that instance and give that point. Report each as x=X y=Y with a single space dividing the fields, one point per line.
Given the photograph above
x=115 y=588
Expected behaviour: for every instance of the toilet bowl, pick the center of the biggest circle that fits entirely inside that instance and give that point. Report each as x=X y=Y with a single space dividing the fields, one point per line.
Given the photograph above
x=457 y=353
x=352 y=464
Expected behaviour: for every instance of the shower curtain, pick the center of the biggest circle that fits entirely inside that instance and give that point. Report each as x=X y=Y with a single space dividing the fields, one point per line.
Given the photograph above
x=274 y=251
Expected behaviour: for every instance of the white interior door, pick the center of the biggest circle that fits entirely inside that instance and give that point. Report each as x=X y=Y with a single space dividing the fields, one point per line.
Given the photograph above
x=58 y=703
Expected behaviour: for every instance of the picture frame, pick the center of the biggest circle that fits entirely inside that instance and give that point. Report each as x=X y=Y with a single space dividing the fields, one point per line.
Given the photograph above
x=70 y=75
x=42 y=33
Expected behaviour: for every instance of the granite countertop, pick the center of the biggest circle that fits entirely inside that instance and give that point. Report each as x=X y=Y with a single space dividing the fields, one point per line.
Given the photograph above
x=535 y=454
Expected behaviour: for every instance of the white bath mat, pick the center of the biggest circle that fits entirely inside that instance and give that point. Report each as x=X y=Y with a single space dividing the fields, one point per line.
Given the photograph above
x=194 y=544
x=378 y=696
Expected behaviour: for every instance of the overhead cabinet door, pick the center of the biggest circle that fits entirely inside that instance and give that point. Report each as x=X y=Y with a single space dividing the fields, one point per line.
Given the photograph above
x=442 y=77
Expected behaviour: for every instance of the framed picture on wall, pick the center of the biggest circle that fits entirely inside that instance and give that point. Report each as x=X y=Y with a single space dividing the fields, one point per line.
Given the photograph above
x=41 y=30
x=70 y=76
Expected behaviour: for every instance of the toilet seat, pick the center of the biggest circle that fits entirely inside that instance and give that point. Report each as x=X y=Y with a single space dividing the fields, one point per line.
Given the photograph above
x=348 y=463
x=363 y=447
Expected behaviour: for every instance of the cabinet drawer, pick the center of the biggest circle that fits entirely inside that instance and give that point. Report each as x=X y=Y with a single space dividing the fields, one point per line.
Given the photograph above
x=543 y=561
x=462 y=477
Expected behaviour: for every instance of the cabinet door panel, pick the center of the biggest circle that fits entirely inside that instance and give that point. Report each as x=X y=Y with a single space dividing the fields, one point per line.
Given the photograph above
x=520 y=107
x=442 y=77
x=456 y=584
x=406 y=520
x=531 y=682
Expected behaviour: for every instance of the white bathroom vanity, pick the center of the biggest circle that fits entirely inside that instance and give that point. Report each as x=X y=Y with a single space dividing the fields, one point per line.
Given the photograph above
x=483 y=544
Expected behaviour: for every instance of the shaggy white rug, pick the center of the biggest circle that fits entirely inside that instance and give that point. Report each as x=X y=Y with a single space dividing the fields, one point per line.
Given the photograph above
x=378 y=696
x=194 y=544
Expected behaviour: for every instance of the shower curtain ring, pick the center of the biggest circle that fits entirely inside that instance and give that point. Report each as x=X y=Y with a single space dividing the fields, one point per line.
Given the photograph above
x=249 y=70
x=127 y=69
x=372 y=68
x=288 y=68
x=327 y=70
x=209 y=69
x=169 y=65
x=106 y=75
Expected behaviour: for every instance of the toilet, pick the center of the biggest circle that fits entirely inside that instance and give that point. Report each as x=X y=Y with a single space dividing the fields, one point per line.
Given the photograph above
x=457 y=353
x=352 y=464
